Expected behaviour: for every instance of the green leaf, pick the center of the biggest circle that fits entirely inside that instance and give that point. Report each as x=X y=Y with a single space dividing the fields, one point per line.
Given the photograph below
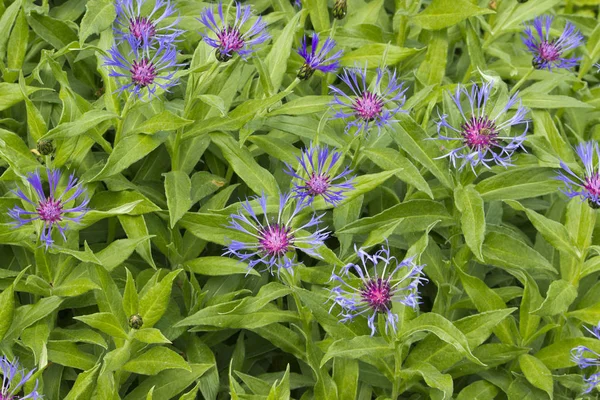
x=277 y=58
x=104 y=322
x=154 y=302
x=27 y=315
x=480 y=390
x=7 y=300
x=130 y=296
x=372 y=54
x=558 y=355
x=433 y=68
x=56 y=32
x=414 y=140
x=99 y=16
x=150 y=336
x=545 y=101
x=554 y=232
x=441 y=14
x=156 y=360
x=17 y=43
x=218 y=266
x=516 y=184
x=214 y=101
x=356 y=347
x=256 y=177
x=136 y=229
x=129 y=150
x=319 y=14
x=168 y=383
x=432 y=377
x=472 y=218
x=537 y=373
x=558 y=299
x=304 y=105
x=69 y=355
x=345 y=375
x=164 y=121
x=443 y=329
x=178 y=187
x=10 y=94
x=119 y=251
x=9 y=15
x=84 y=384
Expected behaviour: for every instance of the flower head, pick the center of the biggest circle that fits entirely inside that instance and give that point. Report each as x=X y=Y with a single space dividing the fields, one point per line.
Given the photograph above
x=368 y=105
x=585 y=357
x=54 y=210
x=318 y=59
x=143 y=70
x=231 y=39
x=13 y=379
x=274 y=241
x=317 y=180
x=145 y=30
x=373 y=286
x=481 y=133
x=588 y=186
x=550 y=53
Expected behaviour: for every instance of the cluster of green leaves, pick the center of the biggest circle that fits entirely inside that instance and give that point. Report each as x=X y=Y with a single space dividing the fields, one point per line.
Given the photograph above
x=139 y=302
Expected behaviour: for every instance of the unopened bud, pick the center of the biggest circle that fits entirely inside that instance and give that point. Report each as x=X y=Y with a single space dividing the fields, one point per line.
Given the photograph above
x=136 y=321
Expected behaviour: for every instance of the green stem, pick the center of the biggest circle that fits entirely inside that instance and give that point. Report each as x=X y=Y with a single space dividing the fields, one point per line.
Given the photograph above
x=123 y=116
x=356 y=156
x=521 y=81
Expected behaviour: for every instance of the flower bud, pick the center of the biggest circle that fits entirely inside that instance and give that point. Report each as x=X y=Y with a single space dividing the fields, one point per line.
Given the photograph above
x=136 y=321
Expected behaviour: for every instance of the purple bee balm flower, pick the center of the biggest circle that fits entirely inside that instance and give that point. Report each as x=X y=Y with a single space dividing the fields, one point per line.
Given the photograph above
x=145 y=30
x=483 y=137
x=231 y=39
x=273 y=242
x=54 y=210
x=317 y=180
x=13 y=379
x=549 y=53
x=368 y=106
x=588 y=186
x=144 y=70
x=373 y=291
x=318 y=59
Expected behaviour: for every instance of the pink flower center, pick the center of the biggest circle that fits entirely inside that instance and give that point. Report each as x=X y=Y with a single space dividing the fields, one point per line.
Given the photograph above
x=141 y=28
x=377 y=293
x=276 y=240
x=548 y=51
x=317 y=184
x=479 y=133
x=231 y=40
x=368 y=106
x=142 y=72
x=50 y=210
x=592 y=184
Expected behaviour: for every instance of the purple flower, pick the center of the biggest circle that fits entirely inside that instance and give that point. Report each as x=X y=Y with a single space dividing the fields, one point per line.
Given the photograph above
x=481 y=133
x=54 y=210
x=368 y=106
x=588 y=186
x=318 y=59
x=274 y=241
x=143 y=70
x=372 y=291
x=298 y=3
x=317 y=179
x=597 y=66
x=586 y=357
x=13 y=379
x=231 y=39
x=549 y=53
x=145 y=30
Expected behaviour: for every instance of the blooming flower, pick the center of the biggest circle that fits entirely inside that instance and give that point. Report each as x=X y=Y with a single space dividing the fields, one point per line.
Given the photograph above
x=144 y=68
x=318 y=59
x=317 y=163
x=549 y=53
x=480 y=134
x=144 y=30
x=367 y=106
x=52 y=209
x=273 y=242
x=11 y=384
x=588 y=187
x=586 y=357
x=372 y=291
x=231 y=39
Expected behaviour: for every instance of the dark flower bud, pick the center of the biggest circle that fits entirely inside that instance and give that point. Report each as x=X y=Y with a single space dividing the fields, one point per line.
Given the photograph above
x=339 y=9
x=305 y=72
x=136 y=321
x=45 y=147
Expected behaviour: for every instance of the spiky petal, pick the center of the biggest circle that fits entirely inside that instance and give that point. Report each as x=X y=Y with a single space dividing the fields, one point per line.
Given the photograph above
x=587 y=187
x=318 y=58
x=367 y=107
x=237 y=38
x=273 y=242
x=13 y=379
x=585 y=357
x=547 y=52
x=483 y=137
x=315 y=178
x=371 y=287
x=55 y=209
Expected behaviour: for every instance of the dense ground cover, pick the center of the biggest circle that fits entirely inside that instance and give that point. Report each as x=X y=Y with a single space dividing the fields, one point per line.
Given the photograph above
x=342 y=199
